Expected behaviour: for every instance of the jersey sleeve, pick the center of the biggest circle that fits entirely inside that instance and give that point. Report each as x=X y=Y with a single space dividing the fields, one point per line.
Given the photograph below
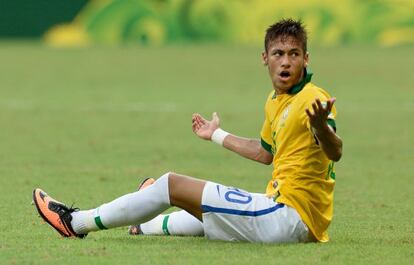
x=266 y=135
x=331 y=118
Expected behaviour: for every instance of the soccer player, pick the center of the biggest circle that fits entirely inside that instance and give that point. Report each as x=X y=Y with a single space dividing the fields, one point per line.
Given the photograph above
x=298 y=136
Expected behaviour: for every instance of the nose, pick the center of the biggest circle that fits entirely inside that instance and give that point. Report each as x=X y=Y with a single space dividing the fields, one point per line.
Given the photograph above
x=285 y=61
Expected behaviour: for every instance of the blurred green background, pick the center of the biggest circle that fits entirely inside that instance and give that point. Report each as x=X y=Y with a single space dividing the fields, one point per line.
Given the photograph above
x=157 y=22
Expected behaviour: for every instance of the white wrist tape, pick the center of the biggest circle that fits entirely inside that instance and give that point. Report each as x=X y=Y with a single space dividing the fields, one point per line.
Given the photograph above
x=218 y=136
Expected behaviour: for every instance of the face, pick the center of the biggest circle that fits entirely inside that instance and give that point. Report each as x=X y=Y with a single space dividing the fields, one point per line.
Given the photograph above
x=285 y=59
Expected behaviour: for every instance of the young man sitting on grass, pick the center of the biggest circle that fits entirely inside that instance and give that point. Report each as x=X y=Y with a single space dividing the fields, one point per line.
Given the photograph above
x=298 y=137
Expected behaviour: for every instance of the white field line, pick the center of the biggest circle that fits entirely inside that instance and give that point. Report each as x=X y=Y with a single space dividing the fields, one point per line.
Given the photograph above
x=23 y=105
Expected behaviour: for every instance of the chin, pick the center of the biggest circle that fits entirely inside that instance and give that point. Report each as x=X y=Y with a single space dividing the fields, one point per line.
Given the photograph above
x=283 y=86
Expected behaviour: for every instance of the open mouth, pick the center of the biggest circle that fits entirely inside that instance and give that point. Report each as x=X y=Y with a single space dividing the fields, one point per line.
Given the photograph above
x=284 y=75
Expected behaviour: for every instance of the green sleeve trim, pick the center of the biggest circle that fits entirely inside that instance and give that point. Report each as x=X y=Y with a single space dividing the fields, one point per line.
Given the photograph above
x=332 y=123
x=331 y=172
x=165 y=225
x=266 y=146
x=99 y=223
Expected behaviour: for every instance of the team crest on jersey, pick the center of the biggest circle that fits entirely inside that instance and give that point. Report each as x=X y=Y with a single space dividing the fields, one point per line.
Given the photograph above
x=285 y=114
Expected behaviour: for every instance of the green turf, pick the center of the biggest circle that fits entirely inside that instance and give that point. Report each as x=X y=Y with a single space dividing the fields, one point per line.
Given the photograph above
x=86 y=124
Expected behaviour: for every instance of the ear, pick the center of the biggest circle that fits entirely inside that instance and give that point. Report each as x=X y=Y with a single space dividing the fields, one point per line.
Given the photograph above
x=264 y=58
x=306 y=59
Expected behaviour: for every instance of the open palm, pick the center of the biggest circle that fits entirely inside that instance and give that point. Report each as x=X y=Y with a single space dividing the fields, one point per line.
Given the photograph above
x=320 y=114
x=204 y=128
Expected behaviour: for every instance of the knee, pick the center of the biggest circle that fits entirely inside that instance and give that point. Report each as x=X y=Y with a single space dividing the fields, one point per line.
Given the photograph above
x=169 y=175
x=172 y=178
x=175 y=181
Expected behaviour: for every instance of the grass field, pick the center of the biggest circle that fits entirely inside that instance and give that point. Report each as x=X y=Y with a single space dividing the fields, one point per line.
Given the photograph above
x=86 y=124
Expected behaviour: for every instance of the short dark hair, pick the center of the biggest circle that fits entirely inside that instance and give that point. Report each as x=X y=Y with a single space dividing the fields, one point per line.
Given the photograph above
x=287 y=28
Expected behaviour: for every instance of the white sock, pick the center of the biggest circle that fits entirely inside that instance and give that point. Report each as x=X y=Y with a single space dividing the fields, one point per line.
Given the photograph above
x=133 y=208
x=179 y=223
x=84 y=221
x=154 y=226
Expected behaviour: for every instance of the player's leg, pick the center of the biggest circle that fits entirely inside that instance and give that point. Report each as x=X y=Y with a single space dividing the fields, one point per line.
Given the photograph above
x=186 y=193
x=138 y=207
x=179 y=223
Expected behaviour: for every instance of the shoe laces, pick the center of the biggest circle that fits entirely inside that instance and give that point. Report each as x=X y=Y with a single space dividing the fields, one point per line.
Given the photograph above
x=72 y=209
x=62 y=210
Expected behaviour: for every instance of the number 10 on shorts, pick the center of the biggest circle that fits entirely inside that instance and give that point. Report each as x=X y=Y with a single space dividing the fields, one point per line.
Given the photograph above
x=237 y=196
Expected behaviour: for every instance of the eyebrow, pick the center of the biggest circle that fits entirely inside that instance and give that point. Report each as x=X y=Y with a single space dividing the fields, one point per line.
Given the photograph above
x=292 y=50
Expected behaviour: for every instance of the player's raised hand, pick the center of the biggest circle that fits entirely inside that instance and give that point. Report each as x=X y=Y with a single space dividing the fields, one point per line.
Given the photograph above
x=319 y=116
x=204 y=128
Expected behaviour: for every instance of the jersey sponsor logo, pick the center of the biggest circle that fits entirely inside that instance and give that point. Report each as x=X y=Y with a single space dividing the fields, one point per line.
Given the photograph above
x=218 y=190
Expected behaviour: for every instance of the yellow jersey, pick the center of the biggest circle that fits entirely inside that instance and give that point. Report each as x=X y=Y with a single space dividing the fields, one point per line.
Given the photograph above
x=303 y=177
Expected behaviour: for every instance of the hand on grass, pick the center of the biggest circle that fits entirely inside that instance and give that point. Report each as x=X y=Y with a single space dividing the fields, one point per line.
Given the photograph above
x=204 y=128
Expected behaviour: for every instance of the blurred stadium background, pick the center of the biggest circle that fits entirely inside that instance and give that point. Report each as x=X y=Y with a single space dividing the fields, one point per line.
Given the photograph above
x=96 y=94
x=158 y=22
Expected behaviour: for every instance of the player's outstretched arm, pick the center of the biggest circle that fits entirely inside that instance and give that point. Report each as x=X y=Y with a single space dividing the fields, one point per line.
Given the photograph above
x=329 y=141
x=249 y=148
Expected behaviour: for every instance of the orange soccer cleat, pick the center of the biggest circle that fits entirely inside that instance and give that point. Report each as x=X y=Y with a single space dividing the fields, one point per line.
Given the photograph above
x=57 y=214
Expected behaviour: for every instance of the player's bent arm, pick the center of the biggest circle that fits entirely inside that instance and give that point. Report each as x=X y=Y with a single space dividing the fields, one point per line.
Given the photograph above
x=248 y=148
x=330 y=142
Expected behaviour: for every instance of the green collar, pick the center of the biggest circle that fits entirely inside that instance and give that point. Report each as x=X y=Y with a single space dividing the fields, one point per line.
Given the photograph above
x=299 y=86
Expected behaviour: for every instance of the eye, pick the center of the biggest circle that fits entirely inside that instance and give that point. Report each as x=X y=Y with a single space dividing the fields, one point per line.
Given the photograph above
x=277 y=53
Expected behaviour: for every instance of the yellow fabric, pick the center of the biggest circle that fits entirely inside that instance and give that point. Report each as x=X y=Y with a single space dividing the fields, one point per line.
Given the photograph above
x=303 y=176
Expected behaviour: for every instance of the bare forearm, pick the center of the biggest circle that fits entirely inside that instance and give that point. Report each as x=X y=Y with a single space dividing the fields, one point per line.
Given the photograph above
x=248 y=148
x=330 y=143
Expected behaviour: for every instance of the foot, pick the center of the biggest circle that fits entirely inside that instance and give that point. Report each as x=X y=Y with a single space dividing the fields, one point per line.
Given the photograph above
x=136 y=229
x=55 y=213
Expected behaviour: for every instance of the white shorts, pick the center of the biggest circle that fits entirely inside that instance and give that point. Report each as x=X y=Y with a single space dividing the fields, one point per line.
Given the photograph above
x=232 y=214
